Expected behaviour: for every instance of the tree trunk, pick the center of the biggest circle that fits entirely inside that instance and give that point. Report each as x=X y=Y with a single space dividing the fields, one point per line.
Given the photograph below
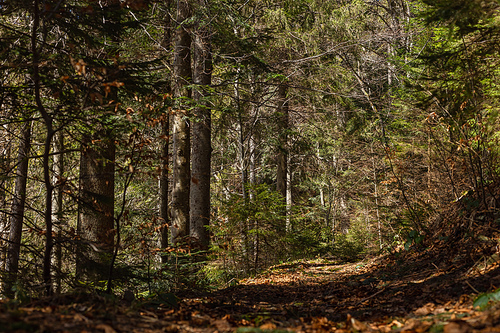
x=57 y=205
x=5 y=167
x=282 y=177
x=163 y=184
x=201 y=146
x=289 y=201
x=17 y=211
x=96 y=216
x=163 y=181
x=282 y=115
x=181 y=127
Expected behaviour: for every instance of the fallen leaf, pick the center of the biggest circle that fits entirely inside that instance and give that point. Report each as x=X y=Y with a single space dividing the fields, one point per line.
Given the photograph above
x=105 y=328
x=268 y=326
x=457 y=327
x=425 y=310
x=222 y=325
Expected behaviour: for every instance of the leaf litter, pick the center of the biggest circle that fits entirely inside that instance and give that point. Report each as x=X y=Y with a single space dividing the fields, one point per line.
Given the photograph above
x=411 y=291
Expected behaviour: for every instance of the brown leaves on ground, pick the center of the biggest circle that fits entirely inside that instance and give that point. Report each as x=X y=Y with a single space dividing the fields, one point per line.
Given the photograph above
x=395 y=293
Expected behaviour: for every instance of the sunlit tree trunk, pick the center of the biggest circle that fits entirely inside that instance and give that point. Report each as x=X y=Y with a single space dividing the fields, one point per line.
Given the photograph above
x=164 y=163
x=5 y=156
x=57 y=205
x=163 y=187
x=201 y=146
x=282 y=176
x=289 y=193
x=17 y=211
x=181 y=124
x=375 y=184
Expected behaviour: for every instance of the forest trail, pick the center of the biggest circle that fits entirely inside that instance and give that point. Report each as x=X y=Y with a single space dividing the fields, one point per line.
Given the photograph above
x=407 y=292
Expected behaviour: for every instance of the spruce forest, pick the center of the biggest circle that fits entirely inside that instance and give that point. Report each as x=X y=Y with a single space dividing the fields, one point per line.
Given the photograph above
x=249 y=166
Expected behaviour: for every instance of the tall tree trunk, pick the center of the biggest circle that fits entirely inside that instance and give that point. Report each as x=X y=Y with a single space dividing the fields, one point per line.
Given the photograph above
x=36 y=50
x=181 y=127
x=163 y=185
x=5 y=162
x=57 y=205
x=17 y=211
x=289 y=202
x=282 y=115
x=96 y=216
x=163 y=181
x=282 y=158
x=201 y=146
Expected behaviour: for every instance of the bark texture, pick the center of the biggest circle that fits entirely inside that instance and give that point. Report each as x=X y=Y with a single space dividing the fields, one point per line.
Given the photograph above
x=17 y=211
x=201 y=146
x=163 y=181
x=282 y=115
x=57 y=206
x=181 y=125
x=96 y=218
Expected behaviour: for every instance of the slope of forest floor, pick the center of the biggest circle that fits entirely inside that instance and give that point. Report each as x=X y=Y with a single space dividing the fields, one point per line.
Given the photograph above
x=411 y=291
x=431 y=287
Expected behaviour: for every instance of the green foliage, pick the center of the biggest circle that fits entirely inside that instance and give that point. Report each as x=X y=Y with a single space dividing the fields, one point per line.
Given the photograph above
x=413 y=238
x=354 y=244
x=248 y=233
x=483 y=301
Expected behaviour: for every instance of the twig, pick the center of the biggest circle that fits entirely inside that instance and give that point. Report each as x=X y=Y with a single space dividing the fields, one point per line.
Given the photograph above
x=367 y=298
x=477 y=292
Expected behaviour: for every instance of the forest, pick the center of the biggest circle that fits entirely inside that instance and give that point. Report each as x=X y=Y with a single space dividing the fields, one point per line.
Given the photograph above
x=155 y=151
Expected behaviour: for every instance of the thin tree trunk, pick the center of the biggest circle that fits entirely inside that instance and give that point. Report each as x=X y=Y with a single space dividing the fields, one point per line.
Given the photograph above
x=17 y=211
x=36 y=50
x=5 y=157
x=181 y=125
x=282 y=115
x=289 y=193
x=163 y=185
x=163 y=181
x=57 y=206
x=375 y=181
x=253 y=182
x=201 y=147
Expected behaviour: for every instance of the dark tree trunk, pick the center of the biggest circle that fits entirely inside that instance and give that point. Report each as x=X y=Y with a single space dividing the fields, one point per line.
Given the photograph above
x=5 y=161
x=17 y=211
x=201 y=146
x=181 y=126
x=96 y=216
x=282 y=116
x=163 y=181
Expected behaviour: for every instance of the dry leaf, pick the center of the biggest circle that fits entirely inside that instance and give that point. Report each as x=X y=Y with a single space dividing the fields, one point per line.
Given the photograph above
x=222 y=325
x=457 y=327
x=268 y=326
x=105 y=328
x=425 y=310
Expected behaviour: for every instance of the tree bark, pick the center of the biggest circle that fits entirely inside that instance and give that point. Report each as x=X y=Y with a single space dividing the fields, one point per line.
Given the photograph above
x=163 y=184
x=17 y=211
x=57 y=205
x=181 y=125
x=201 y=146
x=96 y=216
x=5 y=158
x=282 y=115
x=163 y=181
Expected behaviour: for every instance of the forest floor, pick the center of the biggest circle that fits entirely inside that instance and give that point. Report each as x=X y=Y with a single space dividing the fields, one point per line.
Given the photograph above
x=410 y=291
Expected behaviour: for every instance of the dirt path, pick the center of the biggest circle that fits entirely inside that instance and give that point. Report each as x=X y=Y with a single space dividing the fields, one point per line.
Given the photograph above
x=382 y=294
